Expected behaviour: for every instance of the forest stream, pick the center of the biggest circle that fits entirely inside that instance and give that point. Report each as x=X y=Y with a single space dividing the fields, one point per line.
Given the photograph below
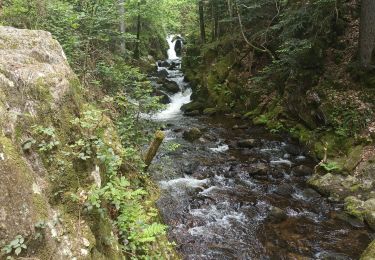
x=240 y=192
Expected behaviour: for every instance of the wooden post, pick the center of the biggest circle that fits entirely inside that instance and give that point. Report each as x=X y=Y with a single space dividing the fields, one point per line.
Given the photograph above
x=154 y=146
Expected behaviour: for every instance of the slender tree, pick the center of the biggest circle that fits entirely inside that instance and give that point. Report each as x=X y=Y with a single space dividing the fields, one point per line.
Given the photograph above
x=122 y=26
x=136 y=52
x=367 y=32
x=201 y=21
x=215 y=19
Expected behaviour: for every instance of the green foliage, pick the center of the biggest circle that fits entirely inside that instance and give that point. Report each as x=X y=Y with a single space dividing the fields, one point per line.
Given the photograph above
x=171 y=146
x=330 y=166
x=16 y=246
x=350 y=118
x=47 y=136
x=40 y=227
x=135 y=222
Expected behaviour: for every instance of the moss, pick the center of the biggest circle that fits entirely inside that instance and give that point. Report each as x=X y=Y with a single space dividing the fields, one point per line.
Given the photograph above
x=16 y=160
x=40 y=204
x=355 y=207
x=210 y=111
x=369 y=253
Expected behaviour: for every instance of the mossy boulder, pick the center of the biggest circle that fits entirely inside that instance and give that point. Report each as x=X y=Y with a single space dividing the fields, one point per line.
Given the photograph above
x=192 y=106
x=192 y=134
x=336 y=186
x=170 y=86
x=210 y=111
x=37 y=87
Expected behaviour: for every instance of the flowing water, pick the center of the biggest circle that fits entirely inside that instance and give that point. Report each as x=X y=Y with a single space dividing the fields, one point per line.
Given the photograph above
x=222 y=200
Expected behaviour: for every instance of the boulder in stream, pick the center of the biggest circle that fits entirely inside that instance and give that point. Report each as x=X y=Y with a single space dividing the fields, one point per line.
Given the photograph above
x=302 y=170
x=192 y=113
x=192 y=106
x=247 y=143
x=277 y=215
x=258 y=169
x=170 y=86
x=162 y=74
x=192 y=134
x=164 y=98
x=210 y=111
x=284 y=189
x=164 y=63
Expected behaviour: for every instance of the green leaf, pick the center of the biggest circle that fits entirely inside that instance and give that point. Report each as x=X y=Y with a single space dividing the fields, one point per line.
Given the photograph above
x=18 y=250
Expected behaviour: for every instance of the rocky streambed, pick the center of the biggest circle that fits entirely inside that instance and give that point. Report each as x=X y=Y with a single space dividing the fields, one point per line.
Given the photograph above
x=231 y=190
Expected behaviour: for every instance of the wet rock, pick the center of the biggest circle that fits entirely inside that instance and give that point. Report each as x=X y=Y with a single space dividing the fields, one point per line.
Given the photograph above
x=277 y=215
x=210 y=111
x=190 y=167
x=170 y=86
x=332 y=256
x=277 y=174
x=235 y=127
x=310 y=194
x=210 y=137
x=282 y=164
x=164 y=63
x=336 y=186
x=233 y=115
x=178 y=47
x=353 y=221
x=292 y=149
x=162 y=74
x=258 y=169
x=173 y=66
x=192 y=134
x=192 y=113
x=192 y=106
x=177 y=130
x=203 y=174
x=284 y=189
x=247 y=143
x=302 y=170
x=164 y=98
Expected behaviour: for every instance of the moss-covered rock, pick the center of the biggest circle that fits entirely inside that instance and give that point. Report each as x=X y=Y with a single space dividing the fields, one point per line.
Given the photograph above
x=37 y=87
x=210 y=111
x=192 y=106
x=192 y=134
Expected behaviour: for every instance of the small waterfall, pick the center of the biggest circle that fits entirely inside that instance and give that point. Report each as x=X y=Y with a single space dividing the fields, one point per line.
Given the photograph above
x=171 y=51
x=172 y=110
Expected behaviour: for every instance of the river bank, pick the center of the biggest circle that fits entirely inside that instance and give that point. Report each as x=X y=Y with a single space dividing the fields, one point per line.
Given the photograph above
x=231 y=189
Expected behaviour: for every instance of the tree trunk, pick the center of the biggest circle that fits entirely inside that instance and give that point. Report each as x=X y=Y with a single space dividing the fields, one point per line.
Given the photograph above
x=215 y=20
x=367 y=32
x=122 y=26
x=137 y=51
x=201 y=21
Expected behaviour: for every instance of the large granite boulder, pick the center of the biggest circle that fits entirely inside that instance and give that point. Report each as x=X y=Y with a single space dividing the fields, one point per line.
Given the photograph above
x=37 y=87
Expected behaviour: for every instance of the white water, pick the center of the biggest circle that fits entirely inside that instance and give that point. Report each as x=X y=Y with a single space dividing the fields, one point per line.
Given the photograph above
x=172 y=110
x=220 y=149
x=171 y=52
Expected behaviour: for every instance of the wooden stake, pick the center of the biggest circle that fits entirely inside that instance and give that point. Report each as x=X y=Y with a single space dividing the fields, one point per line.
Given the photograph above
x=154 y=146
